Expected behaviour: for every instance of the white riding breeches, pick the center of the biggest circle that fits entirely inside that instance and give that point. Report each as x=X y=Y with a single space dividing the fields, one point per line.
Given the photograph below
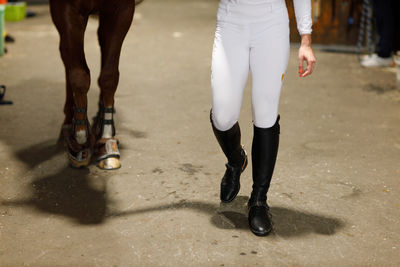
x=251 y=35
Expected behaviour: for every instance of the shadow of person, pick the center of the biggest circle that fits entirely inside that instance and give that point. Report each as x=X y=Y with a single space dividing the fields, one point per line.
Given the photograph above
x=287 y=222
x=71 y=193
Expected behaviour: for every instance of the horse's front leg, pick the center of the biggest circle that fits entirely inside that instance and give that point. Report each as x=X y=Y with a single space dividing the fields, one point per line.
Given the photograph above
x=115 y=20
x=71 y=25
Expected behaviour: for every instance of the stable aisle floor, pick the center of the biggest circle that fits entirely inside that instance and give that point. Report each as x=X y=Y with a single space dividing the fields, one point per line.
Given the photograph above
x=335 y=196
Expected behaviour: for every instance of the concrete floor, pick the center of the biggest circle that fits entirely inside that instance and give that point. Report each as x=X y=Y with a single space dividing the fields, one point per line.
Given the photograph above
x=334 y=197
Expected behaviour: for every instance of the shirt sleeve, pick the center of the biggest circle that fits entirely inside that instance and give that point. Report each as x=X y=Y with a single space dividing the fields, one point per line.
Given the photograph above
x=302 y=9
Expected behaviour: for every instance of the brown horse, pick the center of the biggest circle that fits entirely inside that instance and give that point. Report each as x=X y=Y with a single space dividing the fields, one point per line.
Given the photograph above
x=70 y=18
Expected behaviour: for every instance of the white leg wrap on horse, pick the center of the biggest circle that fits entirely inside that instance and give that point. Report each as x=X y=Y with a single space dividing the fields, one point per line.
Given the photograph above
x=80 y=137
x=107 y=129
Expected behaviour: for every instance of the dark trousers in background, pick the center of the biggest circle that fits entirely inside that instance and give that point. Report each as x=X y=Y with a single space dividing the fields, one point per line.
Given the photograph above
x=387 y=16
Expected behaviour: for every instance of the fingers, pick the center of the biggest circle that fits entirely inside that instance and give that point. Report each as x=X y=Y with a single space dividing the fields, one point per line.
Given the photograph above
x=301 y=59
x=310 y=67
x=306 y=55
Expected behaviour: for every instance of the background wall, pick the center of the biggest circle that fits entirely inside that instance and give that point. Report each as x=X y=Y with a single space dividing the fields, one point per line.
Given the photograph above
x=334 y=21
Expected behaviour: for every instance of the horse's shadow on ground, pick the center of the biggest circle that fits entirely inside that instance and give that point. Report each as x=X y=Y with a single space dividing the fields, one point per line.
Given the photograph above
x=74 y=193
x=68 y=193
x=36 y=154
x=82 y=197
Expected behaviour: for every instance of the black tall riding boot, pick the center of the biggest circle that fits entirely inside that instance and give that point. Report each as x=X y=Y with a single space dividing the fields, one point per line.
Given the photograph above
x=237 y=161
x=264 y=152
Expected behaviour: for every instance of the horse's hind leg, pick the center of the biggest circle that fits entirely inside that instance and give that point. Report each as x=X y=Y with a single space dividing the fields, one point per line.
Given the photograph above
x=71 y=25
x=115 y=20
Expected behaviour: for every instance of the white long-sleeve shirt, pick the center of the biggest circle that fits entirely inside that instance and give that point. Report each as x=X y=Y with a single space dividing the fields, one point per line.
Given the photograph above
x=302 y=9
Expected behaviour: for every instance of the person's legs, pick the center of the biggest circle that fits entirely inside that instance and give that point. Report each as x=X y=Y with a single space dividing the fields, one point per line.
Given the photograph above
x=269 y=57
x=396 y=16
x=384 y=13
x=263 y=155
x=268 y=60
x=230 y=67
x=385 y=25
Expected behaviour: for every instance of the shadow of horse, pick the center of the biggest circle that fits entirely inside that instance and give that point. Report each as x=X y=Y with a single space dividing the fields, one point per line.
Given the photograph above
x=81 y=196
x=36 y=154
x=74 y=193
x=69 y=193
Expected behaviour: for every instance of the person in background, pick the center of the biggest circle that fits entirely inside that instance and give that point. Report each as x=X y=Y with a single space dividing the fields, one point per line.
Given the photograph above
x=387 y=17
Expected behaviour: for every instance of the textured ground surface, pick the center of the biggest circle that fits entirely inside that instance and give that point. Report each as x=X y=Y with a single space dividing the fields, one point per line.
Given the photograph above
x=334 y=197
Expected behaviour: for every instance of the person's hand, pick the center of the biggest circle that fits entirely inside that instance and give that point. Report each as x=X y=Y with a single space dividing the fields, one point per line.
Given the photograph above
x=306 y=55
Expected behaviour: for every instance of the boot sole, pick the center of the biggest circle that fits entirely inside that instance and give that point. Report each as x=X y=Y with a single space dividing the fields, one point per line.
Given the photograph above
x=257 y=233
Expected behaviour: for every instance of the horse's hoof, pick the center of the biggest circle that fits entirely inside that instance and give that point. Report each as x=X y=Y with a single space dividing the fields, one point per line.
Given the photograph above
x=79 y=163
x=107 y=154
x=111 y=163
x=80 y=159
